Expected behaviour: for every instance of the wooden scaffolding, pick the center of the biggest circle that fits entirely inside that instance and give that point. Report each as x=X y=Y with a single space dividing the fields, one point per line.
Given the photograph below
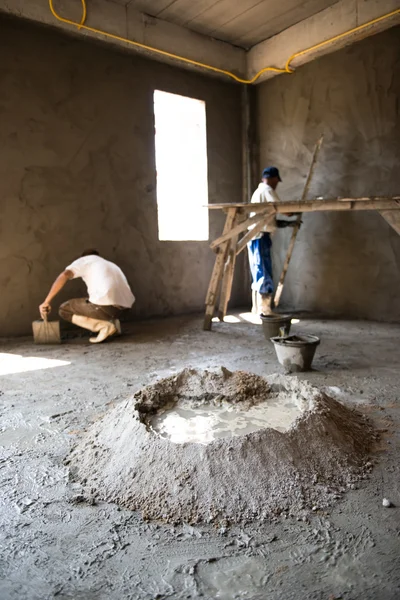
x=229 y=245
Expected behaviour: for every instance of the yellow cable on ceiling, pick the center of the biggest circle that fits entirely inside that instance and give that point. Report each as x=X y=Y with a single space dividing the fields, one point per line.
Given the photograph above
x=341 y=35
x=119 y=38
x=287 y=69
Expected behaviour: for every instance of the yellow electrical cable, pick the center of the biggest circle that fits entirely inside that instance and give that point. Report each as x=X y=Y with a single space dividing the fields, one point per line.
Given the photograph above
x=84 y=12
x=196 y=63
x=287 y=69
x=340 y=36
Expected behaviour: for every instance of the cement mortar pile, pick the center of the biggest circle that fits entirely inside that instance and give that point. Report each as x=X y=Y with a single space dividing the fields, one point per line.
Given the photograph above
x=231 y=479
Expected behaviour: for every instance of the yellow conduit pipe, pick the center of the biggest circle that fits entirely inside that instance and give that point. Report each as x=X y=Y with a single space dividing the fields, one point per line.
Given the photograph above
x=81 y=25
x=339 y=37
x=119 y=38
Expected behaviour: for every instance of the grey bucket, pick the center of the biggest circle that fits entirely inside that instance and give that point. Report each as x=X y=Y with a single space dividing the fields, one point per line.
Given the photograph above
x=272 y=325
x=296 y=352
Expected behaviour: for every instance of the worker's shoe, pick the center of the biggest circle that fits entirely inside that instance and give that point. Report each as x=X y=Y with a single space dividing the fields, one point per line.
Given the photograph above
x=104 y=328
x=265 y=305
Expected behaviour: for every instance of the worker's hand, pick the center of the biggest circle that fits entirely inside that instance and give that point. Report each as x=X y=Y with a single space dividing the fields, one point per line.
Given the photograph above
x=282 y=224
x=44 y=309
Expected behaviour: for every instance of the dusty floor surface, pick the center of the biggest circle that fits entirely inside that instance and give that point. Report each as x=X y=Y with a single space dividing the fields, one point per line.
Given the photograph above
x=54 y=546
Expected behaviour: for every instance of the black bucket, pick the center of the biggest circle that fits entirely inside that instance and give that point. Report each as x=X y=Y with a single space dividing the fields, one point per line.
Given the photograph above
x=275 y=325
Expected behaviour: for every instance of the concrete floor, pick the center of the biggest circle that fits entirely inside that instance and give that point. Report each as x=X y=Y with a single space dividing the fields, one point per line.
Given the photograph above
x=54 y=546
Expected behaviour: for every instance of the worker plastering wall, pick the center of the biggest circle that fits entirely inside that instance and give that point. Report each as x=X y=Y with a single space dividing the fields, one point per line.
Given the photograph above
x=77 y=170
x=343 y=264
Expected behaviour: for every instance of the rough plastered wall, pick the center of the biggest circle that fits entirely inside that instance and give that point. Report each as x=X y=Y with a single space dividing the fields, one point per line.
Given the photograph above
x=343 y=264
x=77 y=170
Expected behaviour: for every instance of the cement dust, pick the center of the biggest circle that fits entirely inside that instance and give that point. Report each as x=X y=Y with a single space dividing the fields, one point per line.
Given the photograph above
x=243 y=476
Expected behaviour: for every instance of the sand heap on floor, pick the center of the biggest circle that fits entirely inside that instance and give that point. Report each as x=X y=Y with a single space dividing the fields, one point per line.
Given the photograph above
x=258 y=475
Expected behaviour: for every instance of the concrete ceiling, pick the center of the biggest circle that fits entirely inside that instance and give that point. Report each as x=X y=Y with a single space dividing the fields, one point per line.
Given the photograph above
x=241 y=22
x=219 y=37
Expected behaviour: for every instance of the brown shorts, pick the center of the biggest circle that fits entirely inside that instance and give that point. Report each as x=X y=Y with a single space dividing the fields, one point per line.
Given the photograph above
x=84 y=308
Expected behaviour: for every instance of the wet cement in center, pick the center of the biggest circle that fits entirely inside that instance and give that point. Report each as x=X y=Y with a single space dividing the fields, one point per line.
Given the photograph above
x=184 y=422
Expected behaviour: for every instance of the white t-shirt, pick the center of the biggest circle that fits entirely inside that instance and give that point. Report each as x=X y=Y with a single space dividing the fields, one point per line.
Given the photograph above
x=265 y=193
x=106 y=283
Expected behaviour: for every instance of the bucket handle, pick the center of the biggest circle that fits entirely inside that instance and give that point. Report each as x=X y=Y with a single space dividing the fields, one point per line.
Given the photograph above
x=284 y=330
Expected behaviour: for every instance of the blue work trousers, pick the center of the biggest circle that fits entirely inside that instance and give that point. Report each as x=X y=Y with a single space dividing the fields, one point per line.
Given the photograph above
x=261 y=264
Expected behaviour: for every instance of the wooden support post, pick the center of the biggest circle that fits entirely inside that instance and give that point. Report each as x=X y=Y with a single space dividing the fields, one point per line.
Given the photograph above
x=213 y=288
x=227 y=281
x=250 y=234
x=279 y=288
x=243 y=226
x=296 y=227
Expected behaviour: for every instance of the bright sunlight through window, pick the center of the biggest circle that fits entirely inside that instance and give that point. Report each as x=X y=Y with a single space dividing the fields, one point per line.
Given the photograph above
x=181 y=163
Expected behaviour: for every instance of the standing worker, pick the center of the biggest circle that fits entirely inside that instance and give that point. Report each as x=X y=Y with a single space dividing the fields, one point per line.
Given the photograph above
x=108 y=290
x=260 y=246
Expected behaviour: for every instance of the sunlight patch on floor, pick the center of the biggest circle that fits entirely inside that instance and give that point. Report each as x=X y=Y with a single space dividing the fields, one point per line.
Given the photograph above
x=15 y=363
x=246 y=317
x=228 y=319
x=250 y=317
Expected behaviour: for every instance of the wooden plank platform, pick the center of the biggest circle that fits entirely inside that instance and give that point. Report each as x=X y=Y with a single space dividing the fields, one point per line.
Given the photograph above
x=228 y=246
x=367 y=203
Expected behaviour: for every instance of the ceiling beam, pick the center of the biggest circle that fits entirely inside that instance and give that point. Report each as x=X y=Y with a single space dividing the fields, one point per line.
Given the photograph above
x=126 y=22
x=333 y=21
x=117 y=19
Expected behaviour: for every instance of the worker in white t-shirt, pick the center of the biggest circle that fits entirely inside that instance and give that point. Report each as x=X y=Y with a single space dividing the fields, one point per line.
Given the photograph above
x=259 y=248
x=108 y=290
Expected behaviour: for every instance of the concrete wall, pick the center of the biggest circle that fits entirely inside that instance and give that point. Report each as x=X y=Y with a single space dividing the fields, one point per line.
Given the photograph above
x=77 y=170
x=343 y=264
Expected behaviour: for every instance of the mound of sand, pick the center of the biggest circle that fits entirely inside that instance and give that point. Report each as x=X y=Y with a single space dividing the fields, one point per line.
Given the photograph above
x=257 y=475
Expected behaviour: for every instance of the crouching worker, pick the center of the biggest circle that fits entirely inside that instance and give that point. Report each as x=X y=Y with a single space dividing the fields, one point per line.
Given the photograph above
x=108 y=290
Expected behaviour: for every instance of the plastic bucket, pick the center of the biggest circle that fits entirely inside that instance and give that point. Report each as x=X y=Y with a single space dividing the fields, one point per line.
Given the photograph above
x=296 y=352
x=272 y=325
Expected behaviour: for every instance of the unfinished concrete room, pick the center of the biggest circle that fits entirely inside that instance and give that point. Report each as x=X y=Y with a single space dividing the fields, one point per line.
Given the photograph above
x=200 y=307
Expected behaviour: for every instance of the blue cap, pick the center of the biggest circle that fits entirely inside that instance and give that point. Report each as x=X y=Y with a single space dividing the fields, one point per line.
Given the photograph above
x=271 y=172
